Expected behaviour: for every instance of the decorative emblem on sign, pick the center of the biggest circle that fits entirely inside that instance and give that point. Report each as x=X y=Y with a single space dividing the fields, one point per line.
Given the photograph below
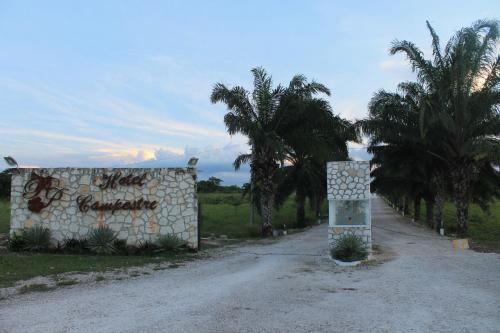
x=41 y=191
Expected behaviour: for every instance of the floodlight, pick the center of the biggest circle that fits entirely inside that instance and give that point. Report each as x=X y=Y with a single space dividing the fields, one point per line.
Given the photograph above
x=11 y=162
x=192 y=162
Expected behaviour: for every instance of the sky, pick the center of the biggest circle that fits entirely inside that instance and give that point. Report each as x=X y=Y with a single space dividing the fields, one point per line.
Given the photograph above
x=127 y=83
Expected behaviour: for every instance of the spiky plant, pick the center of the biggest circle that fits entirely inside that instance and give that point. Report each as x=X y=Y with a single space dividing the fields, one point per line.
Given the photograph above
x=36 y=238
x=147 y=247
x=349 y=248
x=169 y=242
x=101 y=240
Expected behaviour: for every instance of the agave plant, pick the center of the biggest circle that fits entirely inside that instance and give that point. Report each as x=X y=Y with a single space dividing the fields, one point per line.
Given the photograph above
x=349 y=248
x=147 y=247
x=36 y=238
x=102 y=240
x=169 y=242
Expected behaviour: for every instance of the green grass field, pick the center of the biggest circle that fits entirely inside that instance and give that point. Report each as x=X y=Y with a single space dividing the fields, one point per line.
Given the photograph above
x=228 y=214
x=4 y=216
x=484 y=227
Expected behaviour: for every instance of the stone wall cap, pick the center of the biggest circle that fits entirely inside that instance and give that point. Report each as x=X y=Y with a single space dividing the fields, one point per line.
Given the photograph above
x=184 y=169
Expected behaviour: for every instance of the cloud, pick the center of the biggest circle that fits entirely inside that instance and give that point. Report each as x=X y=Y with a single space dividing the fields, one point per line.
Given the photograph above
x=397 y=68
x=394 y=65
x=138 y=117
x=351 y=109
x=214 y=160
x=62 y=148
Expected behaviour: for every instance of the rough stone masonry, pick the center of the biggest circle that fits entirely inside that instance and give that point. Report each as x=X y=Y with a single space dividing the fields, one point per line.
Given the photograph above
x=349 y=181
x=138 y=204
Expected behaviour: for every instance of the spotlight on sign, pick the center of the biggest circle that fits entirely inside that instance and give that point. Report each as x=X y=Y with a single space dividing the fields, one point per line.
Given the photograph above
x=192 y=162
x=11 y=162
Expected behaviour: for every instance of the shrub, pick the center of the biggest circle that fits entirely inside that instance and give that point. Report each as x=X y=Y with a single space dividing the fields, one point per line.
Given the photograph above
x=73 y=245
x=349 y=248
x=16 y=243
x=147 y=247
x=36 y=238
x=131 y=250
x=102 y=240
x=120 y=246
x=169 y=242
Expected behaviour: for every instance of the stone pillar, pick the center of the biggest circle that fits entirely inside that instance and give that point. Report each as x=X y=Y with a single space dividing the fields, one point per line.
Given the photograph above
x=348 y=189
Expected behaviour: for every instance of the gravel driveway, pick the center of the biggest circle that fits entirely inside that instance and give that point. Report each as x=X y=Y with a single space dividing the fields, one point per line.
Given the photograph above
x=287 y=286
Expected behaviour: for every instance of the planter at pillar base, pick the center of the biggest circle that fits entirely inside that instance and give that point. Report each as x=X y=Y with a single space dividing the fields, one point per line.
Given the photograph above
x=349 y=206
x=346 y=263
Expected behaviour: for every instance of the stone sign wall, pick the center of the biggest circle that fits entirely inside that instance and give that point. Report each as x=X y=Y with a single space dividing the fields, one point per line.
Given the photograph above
x=138 y=204
x=348 y=189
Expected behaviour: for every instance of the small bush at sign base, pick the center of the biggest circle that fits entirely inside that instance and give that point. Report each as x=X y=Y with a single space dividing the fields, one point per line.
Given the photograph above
x=349 y=248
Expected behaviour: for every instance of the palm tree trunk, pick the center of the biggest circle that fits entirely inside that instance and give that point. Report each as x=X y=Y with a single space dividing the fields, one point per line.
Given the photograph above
x=317 y=205
x=251 y=201
x=416 y=208
x=438 y=217
x=460 y=182
x=429 y=207
x=264 y=169
x=300 y=199
x=406 y=206
x=267 y=206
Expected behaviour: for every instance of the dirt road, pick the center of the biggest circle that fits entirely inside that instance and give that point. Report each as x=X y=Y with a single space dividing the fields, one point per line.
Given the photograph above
x=287 y=286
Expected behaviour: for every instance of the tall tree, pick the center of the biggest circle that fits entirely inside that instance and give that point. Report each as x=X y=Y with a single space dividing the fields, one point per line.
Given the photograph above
x=463 y=119
x=404 y=168
x=258 y=116
x=312 y=136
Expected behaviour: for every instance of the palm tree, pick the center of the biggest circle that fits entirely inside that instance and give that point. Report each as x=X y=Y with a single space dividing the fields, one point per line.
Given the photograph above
x=258 y=116
x=312 y=136
x=404 y=168
x=463 y=117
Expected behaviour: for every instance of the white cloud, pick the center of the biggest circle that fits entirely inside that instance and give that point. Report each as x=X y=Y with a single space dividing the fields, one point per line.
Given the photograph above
x=394 y=64
x=351 y=109
x=135 y=116
x=61 y=146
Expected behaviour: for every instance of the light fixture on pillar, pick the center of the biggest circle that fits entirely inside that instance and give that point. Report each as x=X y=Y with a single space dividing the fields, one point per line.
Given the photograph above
x=11 y=162
x=192 y=162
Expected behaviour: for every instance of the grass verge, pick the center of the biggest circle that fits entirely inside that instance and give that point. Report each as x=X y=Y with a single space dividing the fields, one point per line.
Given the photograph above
x=22 y=266
x=36 y=287
x=484 y=227
x=4 y=216
x=228 y=214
